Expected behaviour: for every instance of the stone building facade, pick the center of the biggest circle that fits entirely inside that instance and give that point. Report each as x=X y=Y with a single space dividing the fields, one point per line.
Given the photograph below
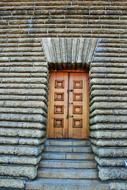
x=26 y=27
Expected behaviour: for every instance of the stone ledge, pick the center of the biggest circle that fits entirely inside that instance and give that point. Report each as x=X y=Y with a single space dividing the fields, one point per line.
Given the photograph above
x=110 y=152
x=18 y=171
x=109 y=134
x=21 y=141
x=111 y=173
x=109 y=105
x=12 y=159
x=108 y=119
x=21 y=150
x=110 y=142
x=15 y=132
x=118 y=186
x=107 y=81
x=11 y=183
x=22 y=125
x=111 y=162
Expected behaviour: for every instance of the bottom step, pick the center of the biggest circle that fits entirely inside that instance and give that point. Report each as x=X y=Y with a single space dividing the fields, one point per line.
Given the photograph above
x=66 y=184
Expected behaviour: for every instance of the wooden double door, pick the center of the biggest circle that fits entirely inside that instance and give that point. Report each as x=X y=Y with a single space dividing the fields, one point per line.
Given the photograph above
x=68 y=108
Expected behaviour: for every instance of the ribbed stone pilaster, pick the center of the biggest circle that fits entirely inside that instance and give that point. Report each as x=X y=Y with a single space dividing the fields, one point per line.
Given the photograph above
x=23 y=109
x=108 y=108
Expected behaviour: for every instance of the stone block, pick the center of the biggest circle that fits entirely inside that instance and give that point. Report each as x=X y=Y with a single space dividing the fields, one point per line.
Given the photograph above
x=22 y=117
x=18 y=171
x=110 y=134
x=28 y=104
x=24 y=92
x=21 y=150
x=16 y=159
x=17 y=80
x=22 y=133
x=111 y=162
x=110 y=152
x=11 y=183
x=108 y=119
x=118 y=185
x=108 y=92
x=110 y=173
x=110 y=142
x=22 y=125
x=107 y=80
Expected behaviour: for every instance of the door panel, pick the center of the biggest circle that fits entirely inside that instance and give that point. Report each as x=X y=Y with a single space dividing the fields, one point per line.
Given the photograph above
x=57 y=120
x=68 y=105
x=78 y=105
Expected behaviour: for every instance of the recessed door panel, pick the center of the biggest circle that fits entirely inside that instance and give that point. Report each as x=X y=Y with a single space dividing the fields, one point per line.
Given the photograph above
x=78 y=105
x=68 y=105
x=57 y=107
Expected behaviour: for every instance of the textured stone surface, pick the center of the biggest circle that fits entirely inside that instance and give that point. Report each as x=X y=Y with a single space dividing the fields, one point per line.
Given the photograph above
x=55 y=18
x=111 y=161
x=21 y=150
x=118 y=186
x=18 y=171
x=11 y=183
x=110 y=142
x=24 y=72
x=23 y=103
x=108 y=110
x=19 y=159
x=110 y=151
x=110 y=134
x=108 y=173
x=69 y=50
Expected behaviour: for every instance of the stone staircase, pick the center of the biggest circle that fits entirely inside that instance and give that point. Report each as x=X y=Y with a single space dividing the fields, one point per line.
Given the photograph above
x=67 y=164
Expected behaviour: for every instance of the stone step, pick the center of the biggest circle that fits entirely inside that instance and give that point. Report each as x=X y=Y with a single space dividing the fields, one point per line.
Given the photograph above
x=67 y=142
x=67 y=164
x=67 y=149
x=67 y=173
x=69 y=156
x=65 y=184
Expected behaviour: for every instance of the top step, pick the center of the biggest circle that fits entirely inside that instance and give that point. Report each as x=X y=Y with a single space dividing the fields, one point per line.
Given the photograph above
x=67 y=142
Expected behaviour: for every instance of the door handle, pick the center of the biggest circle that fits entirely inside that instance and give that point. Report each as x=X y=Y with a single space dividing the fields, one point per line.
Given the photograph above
x=69 y=116
x=69 y=90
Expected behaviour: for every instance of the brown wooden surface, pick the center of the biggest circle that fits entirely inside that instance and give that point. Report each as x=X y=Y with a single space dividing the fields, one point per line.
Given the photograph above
x=68 y=109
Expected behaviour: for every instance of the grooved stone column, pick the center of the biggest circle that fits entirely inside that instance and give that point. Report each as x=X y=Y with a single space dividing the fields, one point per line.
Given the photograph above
x=108 y=108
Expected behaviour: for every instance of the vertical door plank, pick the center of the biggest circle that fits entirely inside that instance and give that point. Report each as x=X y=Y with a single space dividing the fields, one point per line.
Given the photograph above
x=78 y=105
x=57 y=121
